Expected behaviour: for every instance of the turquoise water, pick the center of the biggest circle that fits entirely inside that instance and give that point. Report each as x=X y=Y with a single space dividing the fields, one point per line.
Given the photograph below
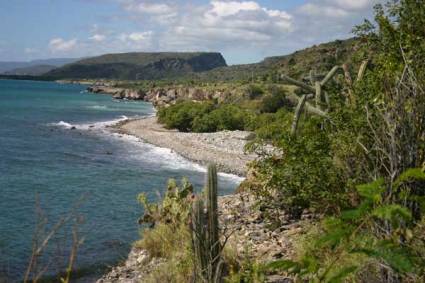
x=41 y=155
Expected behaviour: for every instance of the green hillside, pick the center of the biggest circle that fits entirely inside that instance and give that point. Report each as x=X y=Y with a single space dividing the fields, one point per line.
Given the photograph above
x=320 y=57
x=139 y=66
x=36 y=70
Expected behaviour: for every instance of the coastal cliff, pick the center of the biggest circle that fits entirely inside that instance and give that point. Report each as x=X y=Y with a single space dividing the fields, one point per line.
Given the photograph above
x=160 y=96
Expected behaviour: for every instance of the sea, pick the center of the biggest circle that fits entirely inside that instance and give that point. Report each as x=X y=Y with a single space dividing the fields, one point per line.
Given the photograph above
x=58 y=157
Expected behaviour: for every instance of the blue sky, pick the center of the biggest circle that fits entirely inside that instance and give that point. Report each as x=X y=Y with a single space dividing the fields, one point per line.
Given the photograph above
x=244 y=31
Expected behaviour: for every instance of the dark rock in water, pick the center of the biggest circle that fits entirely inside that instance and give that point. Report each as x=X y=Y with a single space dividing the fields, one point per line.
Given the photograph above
x=73 y=128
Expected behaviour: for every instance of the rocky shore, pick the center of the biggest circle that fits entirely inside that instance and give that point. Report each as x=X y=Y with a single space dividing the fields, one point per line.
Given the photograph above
x=225 y=148
x=250 y=232
x=159 y=96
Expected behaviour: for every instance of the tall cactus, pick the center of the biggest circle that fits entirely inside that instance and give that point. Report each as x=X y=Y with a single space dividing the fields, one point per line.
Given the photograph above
x=205 y=232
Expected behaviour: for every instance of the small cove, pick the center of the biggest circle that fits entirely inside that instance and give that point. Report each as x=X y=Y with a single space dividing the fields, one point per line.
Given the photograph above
x=41 y=155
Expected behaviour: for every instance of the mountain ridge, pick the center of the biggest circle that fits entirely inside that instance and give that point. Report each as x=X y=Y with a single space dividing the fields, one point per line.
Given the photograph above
x=139 y=65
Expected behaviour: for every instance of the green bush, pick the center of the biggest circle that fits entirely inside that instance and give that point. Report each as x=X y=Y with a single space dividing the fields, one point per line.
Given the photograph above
x=253 y=91
x=205 y=117
x=344 y=247
x=274 y=101
x=302 y=175
x=181 y=115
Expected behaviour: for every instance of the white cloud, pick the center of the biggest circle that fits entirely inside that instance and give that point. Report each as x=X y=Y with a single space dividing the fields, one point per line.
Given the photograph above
x=352 y=5
x=29 y=50
x=318 y=10
x=61 y=45
x=97 y=37
x=156 y=9
x=224 y=25
x=224 y=9
x=243 y=28
x=337 y=8
x=136 y=36
x=158 y=12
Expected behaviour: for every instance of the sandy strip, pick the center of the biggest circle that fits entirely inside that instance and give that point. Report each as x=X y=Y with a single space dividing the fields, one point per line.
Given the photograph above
x=226 y=148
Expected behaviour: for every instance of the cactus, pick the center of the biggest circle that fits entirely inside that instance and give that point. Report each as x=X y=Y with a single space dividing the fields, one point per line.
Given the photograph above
x=297 y=114
x=205 y=233
x=316 y=87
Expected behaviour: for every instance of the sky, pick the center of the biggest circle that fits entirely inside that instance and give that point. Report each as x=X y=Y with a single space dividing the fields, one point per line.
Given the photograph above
x=244 y=31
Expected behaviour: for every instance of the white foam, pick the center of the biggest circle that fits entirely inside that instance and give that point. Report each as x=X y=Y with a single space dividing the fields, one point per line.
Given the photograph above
x=98 y=107
x=165 y=158
x=158 y=156
x=89 y=126
x=62 y=124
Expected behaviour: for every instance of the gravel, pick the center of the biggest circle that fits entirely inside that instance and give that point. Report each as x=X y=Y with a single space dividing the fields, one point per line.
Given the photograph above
x=225 y=149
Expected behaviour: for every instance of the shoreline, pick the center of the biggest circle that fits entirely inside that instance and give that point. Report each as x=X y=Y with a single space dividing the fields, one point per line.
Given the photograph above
x=226 y=148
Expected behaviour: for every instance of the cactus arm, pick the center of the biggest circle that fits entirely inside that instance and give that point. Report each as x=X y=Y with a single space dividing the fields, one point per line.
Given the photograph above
x=310 y=108
x=349 y=83
x=312 y=77
x=328 y=103
x=362 y=70
x=205 y=232
x=198 y=238
x=297 y=114
x=318 y=94
x=213 y=231
x=298 y=83
x=330 y=75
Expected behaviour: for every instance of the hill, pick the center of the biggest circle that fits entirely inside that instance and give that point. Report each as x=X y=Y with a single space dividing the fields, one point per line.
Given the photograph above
x=323 y=57
x=10 y=66
x=36 y=70
x=139 y=66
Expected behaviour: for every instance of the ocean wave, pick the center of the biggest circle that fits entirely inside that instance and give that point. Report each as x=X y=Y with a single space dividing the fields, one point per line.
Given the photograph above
x=165 y=158
x=62 y=124
x=89 y=126
x=98 y=107
x=160 y=157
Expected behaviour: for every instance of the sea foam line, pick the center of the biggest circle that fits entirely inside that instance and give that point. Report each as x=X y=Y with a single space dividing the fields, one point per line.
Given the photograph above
x=164 y=157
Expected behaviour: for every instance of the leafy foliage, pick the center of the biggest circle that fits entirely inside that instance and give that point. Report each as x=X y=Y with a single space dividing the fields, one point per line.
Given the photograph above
x=205 y=117
x=345 y=245
x=375 y=233
x=276 y=100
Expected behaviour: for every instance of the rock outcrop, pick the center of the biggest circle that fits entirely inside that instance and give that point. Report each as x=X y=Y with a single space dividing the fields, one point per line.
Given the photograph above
x=161 y=97
x=118 y=93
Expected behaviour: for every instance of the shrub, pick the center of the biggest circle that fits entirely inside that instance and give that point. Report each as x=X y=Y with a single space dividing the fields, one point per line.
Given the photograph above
x=205 y=117
x=345 y=247
x=302 y=175
x=181 y=115
x=273 y=102
x=169 y=236
x=253 y=91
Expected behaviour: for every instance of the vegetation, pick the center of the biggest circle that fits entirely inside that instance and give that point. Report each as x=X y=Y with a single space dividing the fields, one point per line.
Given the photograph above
x=139 y=66
x=169 y=229
x=373 y=135
x=204 y=117
x=297 y=64
x=190 y=222
x=351 y=149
